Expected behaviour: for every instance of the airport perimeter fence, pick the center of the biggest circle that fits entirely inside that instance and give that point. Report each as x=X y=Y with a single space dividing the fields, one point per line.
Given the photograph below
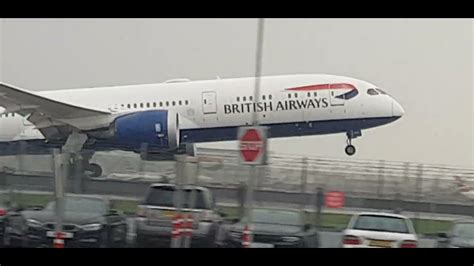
x=287 y=180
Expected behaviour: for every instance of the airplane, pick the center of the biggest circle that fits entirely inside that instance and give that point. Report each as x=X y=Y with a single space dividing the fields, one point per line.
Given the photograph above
x=463 y=187
x=163 y=119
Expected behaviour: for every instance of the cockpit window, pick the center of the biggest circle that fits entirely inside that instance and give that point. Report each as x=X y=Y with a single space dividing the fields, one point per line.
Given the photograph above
x=381 y=91
x=372 y=92
x=348 y=95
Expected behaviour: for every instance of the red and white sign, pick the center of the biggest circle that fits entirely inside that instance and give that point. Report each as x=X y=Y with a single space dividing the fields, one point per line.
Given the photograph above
x=252 y=145
x=334 y=199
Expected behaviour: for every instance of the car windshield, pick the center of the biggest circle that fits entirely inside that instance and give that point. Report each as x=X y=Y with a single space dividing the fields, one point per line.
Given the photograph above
x=164 y=197
x=381 y=223
x=276 y=217
x=85 y=205
x=464 y=230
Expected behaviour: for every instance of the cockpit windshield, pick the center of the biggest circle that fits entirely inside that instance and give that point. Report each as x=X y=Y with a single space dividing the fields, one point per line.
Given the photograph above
x=381 y=91
x=372 y=92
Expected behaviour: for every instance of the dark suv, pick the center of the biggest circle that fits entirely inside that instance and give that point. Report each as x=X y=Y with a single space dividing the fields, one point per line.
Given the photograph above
x=89 y=221
x=156 y=212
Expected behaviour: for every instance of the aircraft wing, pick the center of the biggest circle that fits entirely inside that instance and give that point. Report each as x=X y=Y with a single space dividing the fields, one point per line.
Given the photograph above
x=45 y=112
x=19 y=100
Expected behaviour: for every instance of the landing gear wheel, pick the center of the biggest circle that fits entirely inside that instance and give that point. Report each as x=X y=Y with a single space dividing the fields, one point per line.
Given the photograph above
x=94 y=170
x=350 y=150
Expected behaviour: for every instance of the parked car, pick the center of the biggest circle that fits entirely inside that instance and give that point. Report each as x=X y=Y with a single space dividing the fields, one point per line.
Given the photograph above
x=379 y=230
x=89 y=221
x=159 y=207
x=273 y=228
x=4 y=209
x=460 y=235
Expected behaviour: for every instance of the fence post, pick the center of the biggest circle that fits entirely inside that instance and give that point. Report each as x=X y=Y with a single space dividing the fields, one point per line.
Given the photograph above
x=178 y=199
x=77 y=174
x=143 y=157
x=381 y=179
x=241 y=198
x=21 y=157
x=60 y=180
x=189 y=218
x=419 y=191
x=319 y=206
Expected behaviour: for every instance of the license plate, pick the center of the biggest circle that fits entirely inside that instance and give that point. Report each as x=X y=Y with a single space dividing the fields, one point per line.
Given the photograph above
x=381 y=243
x=261 y=245
x=53 y=234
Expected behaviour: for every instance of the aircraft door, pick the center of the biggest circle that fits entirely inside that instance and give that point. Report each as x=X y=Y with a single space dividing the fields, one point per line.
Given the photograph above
x=209 y=104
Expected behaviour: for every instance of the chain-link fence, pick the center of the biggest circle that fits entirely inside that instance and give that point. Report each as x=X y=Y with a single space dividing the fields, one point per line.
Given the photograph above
x=424 y=191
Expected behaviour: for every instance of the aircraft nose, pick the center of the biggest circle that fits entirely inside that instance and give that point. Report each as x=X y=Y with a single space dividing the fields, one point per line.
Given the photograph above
x=397 y=109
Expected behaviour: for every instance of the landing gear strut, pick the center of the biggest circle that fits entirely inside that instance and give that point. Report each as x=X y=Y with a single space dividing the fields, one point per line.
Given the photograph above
x=350 y=149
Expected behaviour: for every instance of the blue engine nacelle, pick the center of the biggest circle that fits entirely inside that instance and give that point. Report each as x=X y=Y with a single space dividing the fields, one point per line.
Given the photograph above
x=156 y=128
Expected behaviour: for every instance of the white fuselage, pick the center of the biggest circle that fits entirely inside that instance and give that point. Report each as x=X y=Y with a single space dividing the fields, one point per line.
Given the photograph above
x=291 y=102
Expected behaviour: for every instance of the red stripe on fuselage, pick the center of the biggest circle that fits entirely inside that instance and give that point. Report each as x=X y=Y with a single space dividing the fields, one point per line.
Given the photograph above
x=335 y=86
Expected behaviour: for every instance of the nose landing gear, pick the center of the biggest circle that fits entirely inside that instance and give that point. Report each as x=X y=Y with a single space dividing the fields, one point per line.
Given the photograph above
x=352 y=134
x=350 y=149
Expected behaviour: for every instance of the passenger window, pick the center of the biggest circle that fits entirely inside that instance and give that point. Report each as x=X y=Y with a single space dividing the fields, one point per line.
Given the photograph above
x=289 y=95
x=270 y=96
x=372 y=92
x=186 y=102
x=167 y=103
x=244 y=99
x=128 y=106
x=154 y=104
x=147 y=105
x=161 y=104
x=309 y=94
x=250 y=98
x=141 y=105
x=263 y=97
x=180 y=102
x=238 y=98
x=174 y=103
x=315 y=94
x=134 y=105
x=296 y=95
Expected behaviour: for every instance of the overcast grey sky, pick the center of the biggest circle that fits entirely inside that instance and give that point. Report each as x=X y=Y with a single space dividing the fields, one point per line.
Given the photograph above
x=426 y=64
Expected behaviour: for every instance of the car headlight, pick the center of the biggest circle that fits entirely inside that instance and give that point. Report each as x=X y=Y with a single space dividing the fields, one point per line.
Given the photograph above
x=236 y=235
x=33 y=223
x=91 y=227
x=290 y=239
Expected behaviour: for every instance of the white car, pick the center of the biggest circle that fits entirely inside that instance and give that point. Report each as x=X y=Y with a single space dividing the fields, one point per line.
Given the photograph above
x=379 y=230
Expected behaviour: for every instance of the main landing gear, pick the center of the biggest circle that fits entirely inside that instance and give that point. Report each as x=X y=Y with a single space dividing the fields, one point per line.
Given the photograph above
x=82 y=160
x=78 y=156
x=91 y=169
x=350 y=149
